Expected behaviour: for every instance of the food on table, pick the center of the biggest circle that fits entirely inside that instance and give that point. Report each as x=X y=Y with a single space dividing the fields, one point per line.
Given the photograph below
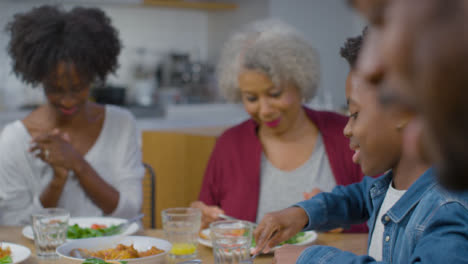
x=5 y=255
x=183 y=249
x=122 y=252
x=298 y=238
x=203 y=236
x=6 y=260
x=238 y=232
x=96 y=230
x=98 y=226
x=100 y=261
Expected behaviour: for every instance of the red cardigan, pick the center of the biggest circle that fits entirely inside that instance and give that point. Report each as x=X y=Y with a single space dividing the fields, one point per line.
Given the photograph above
x=232 y=176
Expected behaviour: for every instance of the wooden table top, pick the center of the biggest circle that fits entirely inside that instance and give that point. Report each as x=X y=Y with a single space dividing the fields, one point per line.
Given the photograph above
x=356 y=243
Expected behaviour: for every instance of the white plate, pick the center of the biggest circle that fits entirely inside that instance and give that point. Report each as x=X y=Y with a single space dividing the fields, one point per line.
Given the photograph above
x=88 y=222
x=140 y=243
x=18 y=253
x=311 y=236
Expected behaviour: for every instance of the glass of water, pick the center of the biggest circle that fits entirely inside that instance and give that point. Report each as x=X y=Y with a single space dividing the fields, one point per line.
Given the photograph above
x=50 y=231
x=231 y=240
x=181 y=226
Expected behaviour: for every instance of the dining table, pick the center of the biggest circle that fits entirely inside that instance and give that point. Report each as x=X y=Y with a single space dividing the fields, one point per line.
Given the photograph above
x=356 y=243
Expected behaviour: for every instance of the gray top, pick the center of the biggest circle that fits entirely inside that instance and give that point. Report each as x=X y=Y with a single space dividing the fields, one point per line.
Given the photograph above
x=281 y=189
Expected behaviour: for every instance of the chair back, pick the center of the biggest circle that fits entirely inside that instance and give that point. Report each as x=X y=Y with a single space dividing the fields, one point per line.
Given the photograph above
x=149 y=197
x=180 y=160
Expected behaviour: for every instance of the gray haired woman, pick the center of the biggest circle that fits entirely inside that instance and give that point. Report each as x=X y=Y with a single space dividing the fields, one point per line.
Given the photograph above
x=285 y=152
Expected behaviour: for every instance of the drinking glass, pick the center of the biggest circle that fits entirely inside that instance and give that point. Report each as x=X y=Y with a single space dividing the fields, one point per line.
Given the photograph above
x=231 y=240
x=181 y=226
x=50 y=231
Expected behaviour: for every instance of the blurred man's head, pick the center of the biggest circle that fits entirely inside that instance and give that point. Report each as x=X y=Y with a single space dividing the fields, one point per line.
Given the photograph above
x=417 y=53
x=426 y=55
x=373 y=10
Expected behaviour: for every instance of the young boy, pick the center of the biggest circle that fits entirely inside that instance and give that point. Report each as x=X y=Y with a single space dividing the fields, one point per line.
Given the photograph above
x=410 y=218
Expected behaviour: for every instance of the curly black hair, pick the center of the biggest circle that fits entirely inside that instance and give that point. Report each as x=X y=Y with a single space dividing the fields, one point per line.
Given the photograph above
x=351 y=48
x=47 y=35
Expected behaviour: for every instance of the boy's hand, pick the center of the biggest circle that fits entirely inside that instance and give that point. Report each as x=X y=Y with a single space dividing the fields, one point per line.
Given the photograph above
x=280 y=226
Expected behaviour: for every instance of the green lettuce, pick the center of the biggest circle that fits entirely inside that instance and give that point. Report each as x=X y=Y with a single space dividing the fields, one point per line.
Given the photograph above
x=6 y=260
x=75 y=232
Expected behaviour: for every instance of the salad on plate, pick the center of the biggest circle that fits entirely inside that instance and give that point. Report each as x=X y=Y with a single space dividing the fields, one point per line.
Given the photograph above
x=301 y=238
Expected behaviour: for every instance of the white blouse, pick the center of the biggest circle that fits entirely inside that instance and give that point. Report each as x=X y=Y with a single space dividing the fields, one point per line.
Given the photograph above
x=116 y=157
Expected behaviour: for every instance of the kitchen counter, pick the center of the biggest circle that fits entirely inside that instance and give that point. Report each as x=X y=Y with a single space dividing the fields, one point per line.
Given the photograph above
x=174 y=117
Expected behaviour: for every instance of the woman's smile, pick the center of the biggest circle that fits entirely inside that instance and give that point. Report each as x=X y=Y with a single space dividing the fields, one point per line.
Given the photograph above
x=273 y=123
x=68 y=111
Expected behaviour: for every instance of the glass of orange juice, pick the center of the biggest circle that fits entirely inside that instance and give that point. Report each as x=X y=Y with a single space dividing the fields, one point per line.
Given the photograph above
x=181 y=226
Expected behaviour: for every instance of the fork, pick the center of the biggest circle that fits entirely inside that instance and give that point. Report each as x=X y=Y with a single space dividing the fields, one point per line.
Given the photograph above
x=251 y=259
x=120 y=228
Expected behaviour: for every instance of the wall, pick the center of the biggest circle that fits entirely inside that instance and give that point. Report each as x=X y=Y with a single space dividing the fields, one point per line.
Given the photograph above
x=158 y=30
x=222 y=24
x=12 y=92
x=326 y=24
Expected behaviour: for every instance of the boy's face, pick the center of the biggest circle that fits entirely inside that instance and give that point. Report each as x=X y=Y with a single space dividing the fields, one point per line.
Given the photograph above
x=375 y=132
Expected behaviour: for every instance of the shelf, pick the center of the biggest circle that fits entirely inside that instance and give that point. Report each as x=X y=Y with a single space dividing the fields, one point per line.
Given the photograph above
x=201 y=5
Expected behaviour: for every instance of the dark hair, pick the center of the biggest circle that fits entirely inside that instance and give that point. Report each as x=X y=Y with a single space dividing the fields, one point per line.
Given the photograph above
x=48 y=35
x=351 y=48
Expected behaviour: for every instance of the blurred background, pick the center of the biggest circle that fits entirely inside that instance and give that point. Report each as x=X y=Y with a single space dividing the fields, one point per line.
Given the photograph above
x=167 y=72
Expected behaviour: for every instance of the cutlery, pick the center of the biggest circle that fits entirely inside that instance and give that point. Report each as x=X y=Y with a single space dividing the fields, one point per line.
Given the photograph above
x=123 y=226
x=251 y=259
x=190 y=261
x=78 y=253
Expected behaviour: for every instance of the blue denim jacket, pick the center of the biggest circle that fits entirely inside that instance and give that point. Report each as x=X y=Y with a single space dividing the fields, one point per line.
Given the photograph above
x=427 y=225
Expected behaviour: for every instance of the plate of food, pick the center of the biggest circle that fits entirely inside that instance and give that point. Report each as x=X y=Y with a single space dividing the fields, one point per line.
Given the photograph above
x=301 y=238
x=13 y=253
x=87 y=227
x=129 y=249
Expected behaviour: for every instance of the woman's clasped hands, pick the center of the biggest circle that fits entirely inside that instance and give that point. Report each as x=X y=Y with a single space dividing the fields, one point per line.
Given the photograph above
x=54 y=148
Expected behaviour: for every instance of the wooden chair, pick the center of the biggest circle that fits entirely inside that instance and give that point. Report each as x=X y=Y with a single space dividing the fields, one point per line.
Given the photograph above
x=149 y=197
x=180 y=159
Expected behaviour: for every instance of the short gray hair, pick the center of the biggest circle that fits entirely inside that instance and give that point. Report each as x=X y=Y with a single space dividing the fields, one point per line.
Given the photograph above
x=273 y=48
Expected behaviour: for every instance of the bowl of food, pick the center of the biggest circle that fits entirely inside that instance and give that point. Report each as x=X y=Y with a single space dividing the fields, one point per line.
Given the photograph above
x=132 y=249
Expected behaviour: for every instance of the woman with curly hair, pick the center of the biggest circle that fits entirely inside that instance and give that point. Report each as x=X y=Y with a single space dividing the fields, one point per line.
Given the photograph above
x=70 y=152
x=286 y=152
